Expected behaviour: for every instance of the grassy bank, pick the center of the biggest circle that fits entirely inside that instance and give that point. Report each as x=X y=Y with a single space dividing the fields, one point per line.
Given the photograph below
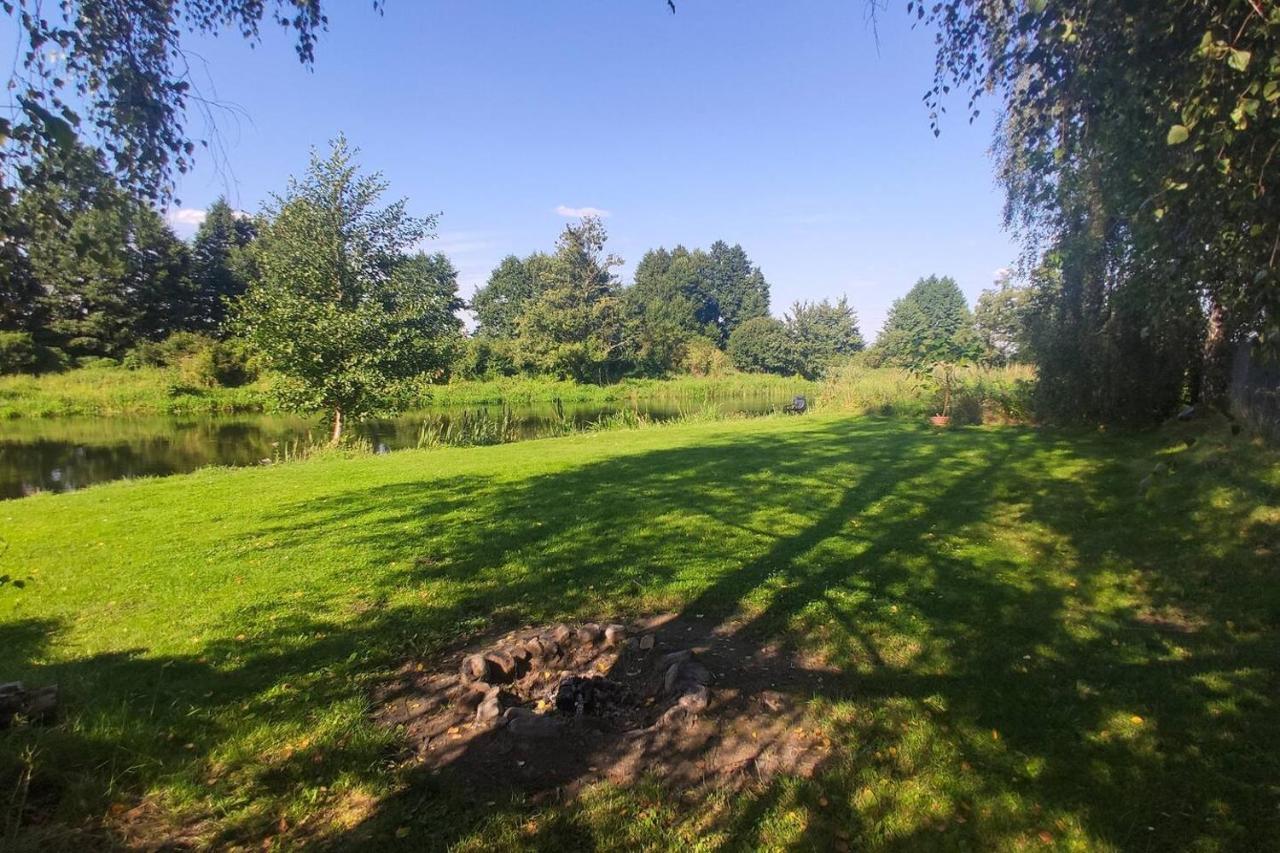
x=1014 y=649
x=111 y=391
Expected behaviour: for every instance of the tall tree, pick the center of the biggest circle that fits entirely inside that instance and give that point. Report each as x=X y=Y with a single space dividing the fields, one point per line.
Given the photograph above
x=931 y=323
x=110 y=272
x=498 y=305
x=219 y=264
x=573 y=328
x=1000 y=322
x=336 y=306
x=738 y=288
x=822 y=332
x=1137 y=148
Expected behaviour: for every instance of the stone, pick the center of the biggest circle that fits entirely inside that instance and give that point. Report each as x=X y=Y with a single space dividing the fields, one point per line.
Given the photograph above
x=695 y=672
x=473 y=694
x=590 y=634
x=561 y=634
x=475 y=668
x=502 y=666
x=696 y=699
x=490 y=708
x=1144 y=485
x=1160 y=470
x=36 y=706
x=1187 y=414
x=670 y=658
x=520 y=654
x=773 y=701
x=534 y=726
x=615 y=635
x=646 y=642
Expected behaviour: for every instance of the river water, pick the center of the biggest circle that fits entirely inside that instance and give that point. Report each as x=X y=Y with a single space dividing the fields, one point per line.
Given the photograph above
x=64 y=454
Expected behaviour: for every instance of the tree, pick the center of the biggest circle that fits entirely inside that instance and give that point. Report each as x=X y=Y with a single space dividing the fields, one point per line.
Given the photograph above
x=219 y=264
x=109 y=271
x=573 y=328
x=336 y=307
x=498 y=305
x=1136 y=149
x=931 y=323
x=667 y=307
x=763 y=345
x=737 y=288
x=121 y=64
x=822 y=332
x=1000 y=322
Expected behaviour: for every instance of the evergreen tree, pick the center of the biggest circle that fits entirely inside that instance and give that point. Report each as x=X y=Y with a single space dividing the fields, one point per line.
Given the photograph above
x=498 y=305
x=822 y=332
x=931 y=323
x=218 y=264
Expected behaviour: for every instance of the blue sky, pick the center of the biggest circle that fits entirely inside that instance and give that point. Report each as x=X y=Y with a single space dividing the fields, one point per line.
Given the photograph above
x=782 y=126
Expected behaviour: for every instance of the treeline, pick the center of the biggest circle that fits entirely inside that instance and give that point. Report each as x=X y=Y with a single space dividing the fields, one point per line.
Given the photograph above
x=566 y=314
x=327 y=289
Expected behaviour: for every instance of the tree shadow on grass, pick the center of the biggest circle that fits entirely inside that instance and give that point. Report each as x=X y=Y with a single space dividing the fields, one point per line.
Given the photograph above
x=1013 y=649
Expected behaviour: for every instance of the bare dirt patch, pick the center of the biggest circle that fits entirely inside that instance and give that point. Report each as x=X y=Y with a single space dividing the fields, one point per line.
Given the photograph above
x=554 y=707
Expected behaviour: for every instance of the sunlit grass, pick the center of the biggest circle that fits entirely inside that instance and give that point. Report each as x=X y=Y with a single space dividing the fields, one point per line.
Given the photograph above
x=1020 y=652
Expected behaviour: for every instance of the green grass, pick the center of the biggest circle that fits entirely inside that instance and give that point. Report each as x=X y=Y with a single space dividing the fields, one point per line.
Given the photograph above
x=517 y=390
x=112 y=391
x=1023 y=653
x=119 y=391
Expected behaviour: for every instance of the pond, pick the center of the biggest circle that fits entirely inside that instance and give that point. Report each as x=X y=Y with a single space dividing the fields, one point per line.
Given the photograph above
x=64 y=454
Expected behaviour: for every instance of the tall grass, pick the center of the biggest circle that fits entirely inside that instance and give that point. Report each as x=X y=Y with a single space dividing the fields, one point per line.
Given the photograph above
x=521 y=390
x=981 y=395
x=119 y=391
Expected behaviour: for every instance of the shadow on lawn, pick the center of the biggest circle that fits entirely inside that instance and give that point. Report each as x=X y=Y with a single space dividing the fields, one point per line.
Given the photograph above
x=1108 y=673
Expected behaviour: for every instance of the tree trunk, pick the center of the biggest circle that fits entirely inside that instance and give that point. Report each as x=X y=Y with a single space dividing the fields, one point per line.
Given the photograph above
x=336 y=436
x=1216 y=374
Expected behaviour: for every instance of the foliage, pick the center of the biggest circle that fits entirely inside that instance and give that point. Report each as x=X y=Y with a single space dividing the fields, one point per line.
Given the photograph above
x=115 y=74
x=498 y=305
x=573 y=327
x=336 y=308
x=220 y=264
x=168 y=352
x=823 y=332
x=19 y=353
x=108 y=390
x=702 y=357
x=1009 y=642
x=226 y=364
x=978 y=394
x=765 y=345
x=931 y=323
x=1000 y=323
x=737 y=286
x=483 y=357
x=109 y=271
x=1135 y=148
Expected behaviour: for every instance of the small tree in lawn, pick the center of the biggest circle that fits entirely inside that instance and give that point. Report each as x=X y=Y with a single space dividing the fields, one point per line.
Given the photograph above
x=331 y=307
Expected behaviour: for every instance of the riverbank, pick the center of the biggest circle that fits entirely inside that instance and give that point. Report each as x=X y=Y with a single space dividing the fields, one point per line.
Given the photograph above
x=1008 y=645
x=117 y=391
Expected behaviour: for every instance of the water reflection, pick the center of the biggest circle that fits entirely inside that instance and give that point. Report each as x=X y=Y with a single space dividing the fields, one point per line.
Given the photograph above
x=64 y=454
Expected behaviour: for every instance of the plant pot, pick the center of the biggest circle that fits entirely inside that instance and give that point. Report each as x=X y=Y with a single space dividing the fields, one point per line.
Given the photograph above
x=940 y=420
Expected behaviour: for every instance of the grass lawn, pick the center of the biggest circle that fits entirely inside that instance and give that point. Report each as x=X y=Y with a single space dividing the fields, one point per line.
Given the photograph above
x=1023 y=653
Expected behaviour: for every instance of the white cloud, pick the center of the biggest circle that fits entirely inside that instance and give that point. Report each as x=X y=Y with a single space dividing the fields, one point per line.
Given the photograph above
x=576 y=212
x=1002 y=275
x=189 y=216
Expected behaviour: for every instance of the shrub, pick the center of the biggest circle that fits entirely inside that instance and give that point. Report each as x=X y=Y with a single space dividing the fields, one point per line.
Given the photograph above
x=486 y=358
x=763 y=344
x=18 y=353
x=228 y=363
x=96 y=361
x=167 y=353
x=703 y=358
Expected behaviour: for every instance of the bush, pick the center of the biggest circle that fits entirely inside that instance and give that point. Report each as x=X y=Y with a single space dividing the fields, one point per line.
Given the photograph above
x=96 y=361
x=703 y=358
x=763 y=344
x=18 y=353
x=228 y=363
x=486 y=358
x=167 y=353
